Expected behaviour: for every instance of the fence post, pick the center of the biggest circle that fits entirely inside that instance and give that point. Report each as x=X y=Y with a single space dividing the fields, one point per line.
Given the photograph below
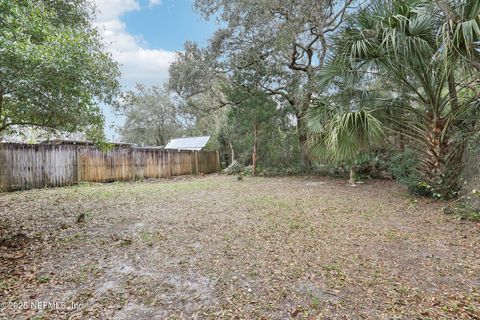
x=3 y=168
x=133 y=167
x=196 y=162
x=218 y=161
x=77 y=155
x=169 y=164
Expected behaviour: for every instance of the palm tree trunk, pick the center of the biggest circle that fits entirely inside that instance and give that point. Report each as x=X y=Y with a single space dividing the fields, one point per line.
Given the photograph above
x=449 y=12
x=442 y=162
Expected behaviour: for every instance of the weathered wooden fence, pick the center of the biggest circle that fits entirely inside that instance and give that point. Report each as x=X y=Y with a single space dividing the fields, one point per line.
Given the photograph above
x=26 y=166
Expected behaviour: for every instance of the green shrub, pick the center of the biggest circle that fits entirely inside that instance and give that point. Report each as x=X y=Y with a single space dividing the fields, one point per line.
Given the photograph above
x=249 y=170
x=373 y=165
x=402 y=167
x=281 y=171
x=331 y=170
x=465 y=210
x=234 y=168
x=421 y=188
x=368 y=165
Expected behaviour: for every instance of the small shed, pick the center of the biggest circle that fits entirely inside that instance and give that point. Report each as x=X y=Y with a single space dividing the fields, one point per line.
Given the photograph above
x=188 y=143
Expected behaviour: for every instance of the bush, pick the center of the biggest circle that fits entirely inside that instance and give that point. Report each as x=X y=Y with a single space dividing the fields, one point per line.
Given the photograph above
x=373 y=165
x=330 y=170
x=234 y=168
x=402 y=167
x=370 y=165
x=464 y=209
x=281 y=171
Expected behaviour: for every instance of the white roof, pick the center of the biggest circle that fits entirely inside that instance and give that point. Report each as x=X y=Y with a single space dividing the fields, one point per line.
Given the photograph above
x=190 y=143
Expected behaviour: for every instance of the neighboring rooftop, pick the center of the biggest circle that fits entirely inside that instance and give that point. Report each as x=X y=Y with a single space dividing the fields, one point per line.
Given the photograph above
x=189 y=143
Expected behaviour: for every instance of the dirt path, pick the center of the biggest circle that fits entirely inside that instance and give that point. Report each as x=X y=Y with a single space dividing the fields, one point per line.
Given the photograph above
x=215 y=247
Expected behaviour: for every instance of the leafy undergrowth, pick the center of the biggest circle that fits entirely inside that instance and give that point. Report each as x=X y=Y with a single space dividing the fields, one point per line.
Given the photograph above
x=216 y=247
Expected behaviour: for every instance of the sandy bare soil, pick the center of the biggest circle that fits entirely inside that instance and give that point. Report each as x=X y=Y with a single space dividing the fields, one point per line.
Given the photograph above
x=218 y=248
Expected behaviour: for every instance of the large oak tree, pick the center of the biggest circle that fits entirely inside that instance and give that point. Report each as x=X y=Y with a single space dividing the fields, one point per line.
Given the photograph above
x=278 y=46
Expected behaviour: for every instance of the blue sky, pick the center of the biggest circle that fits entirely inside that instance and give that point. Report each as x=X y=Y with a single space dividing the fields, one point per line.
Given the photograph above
x=168 y=25
x=143 y=36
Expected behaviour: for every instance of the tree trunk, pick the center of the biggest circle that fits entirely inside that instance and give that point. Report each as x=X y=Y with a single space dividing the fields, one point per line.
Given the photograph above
x=232 y=151
x=303 y=139
x=353 y=175
x=452 y=91
x=304 y=156
x=300 y=108
x=254 y=153
x=441 y=164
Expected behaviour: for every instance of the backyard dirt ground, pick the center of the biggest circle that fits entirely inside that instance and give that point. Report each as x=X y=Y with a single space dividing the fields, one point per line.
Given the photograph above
x=217 y=248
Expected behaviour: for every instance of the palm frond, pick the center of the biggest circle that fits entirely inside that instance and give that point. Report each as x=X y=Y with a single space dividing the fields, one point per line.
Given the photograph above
x=344 y=135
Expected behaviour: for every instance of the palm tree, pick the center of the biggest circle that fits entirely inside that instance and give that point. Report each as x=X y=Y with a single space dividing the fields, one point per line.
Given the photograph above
x=421 y=64
x=343 y=136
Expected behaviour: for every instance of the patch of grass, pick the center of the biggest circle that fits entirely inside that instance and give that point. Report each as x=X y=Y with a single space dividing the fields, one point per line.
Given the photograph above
x=84 y=296
x=150 y=301
x=334 y=273
x=75 y=238
x=3 y=285
x=368 y=214
x=332 y=267
x=452 y=307
x=175 y=186
x=392 y=235
x=469 y=215
x=402 y=290
x=125 y=242
x=269 y=201
x=44 y=278
x=85 y=272
x=295 y=224
x=252 y=273
x=105 y=194
x=149 y=238
x=315 y=303
x=82 y=184
x=464 y=210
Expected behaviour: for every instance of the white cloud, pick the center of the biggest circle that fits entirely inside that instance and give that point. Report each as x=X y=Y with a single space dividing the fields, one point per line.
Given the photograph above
x=113 y=9
x=138 y=62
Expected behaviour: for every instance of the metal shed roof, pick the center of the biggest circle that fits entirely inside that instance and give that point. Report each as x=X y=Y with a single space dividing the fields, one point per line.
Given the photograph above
x=190 y=143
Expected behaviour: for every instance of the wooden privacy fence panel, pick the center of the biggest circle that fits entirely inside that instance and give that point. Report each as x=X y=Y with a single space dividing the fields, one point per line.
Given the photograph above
x=25 y=166
x=99 y=166
x=208 y=162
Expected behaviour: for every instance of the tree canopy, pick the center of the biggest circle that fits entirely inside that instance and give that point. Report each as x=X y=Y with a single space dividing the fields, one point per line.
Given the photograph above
x=151 y=116
x=54 y=71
